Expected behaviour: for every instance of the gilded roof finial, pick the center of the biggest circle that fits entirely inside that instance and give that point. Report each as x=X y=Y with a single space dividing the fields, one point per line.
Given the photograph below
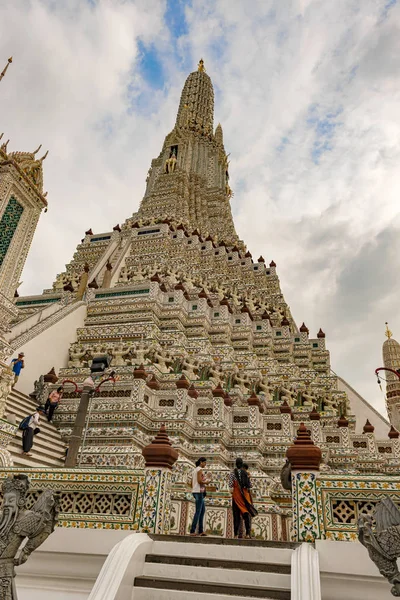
x=37 y=150
x=5 y=68
x=201 y=66
x=44 y=156
x=388 y=333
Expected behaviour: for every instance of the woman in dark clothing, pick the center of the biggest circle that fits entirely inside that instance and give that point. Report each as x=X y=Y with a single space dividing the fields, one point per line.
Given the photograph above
x=239 y=483
x=31 y=430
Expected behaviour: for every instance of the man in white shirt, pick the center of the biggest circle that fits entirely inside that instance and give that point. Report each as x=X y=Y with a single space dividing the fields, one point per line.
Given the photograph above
x=198 y=490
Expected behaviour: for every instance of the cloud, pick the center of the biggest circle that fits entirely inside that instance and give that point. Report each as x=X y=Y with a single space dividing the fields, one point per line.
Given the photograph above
x=307 y=94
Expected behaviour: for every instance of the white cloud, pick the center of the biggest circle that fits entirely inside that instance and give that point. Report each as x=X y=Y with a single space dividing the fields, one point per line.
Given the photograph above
x=307 y=93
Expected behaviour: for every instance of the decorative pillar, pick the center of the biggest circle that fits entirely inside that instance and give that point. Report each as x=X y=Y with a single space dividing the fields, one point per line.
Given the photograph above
x=286 y=417
x=315 y=419
x=343 y=425
x=394 y=436
x=159 y=457
x=305 y=458
x=75 y=438
x=83 y=282
x=107 y=276
x=368 y=430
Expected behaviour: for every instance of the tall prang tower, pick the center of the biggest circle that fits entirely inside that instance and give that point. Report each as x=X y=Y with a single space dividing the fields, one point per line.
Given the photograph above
x=198 y=332
x=189 y=180
x=391 y=360
x=21 y=202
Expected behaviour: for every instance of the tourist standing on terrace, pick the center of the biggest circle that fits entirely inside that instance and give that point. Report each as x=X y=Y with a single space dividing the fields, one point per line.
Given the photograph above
x=240 y=484
x=199 y=491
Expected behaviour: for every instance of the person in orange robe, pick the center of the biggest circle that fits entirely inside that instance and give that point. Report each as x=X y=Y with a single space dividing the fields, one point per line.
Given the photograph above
x=239 y=483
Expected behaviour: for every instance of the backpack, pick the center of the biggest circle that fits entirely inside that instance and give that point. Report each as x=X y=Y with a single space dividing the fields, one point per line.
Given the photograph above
x=24 y=423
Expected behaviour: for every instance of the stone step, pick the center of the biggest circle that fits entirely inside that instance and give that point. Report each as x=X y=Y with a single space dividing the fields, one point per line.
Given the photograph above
x=41 y=444
x=48 y=448
x=255 y=551
x=218 y=563
x=20 y=411
x=202 y=587
x=224 y=541
x=32 y=461
x=148 y=594
x=227 y=575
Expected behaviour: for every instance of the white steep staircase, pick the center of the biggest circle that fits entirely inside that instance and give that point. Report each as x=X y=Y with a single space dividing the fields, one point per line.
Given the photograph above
x=48 y=449
x=180 y=567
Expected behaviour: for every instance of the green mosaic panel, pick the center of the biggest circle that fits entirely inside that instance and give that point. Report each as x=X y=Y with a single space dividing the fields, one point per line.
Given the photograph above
x=41 y=301
x=125 y=293
x=8 y=225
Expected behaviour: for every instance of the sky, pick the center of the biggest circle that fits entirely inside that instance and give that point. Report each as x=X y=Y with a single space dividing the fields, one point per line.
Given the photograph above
x=308 y=95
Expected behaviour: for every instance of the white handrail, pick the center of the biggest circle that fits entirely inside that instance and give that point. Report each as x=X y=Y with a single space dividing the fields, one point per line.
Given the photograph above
x=123 y=564
x=305 y=577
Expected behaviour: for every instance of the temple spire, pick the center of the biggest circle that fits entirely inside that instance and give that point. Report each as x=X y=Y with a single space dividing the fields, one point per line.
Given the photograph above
x=196 y=107
x=5 y=68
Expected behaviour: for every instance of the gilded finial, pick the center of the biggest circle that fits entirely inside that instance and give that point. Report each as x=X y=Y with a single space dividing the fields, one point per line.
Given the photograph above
x=44 y=156
x=5 y=68
x=388 y=333
x=37 y=150
x=201 y=66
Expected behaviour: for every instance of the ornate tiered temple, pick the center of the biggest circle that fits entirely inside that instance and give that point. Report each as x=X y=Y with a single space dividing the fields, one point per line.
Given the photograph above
x=198 y=332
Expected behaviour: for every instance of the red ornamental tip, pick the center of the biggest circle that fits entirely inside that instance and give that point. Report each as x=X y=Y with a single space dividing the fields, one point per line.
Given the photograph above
x=265 y=315
x=314 y=415
x=155 y=278
x=285 y=322
x=342 y=422
x=393 y=433
x=248 y=255
x=209 y=238
x=182 y=383
x=285 y=408
x=368 y=428
x=227 y=400
x=89 y=232
x=159 y=453
x=192 y=393
x=218 y=392
x=320 y=333
x=272 y=264
x=304 y=328
x=153 y=384
x=261 y=259
x=303 y=454
x=117 y=228
x=180 y=286
x=139 y=373
x=51 y=376
x=135 y=225
x=203 y=294
x=253 y=400
x=235 y=249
